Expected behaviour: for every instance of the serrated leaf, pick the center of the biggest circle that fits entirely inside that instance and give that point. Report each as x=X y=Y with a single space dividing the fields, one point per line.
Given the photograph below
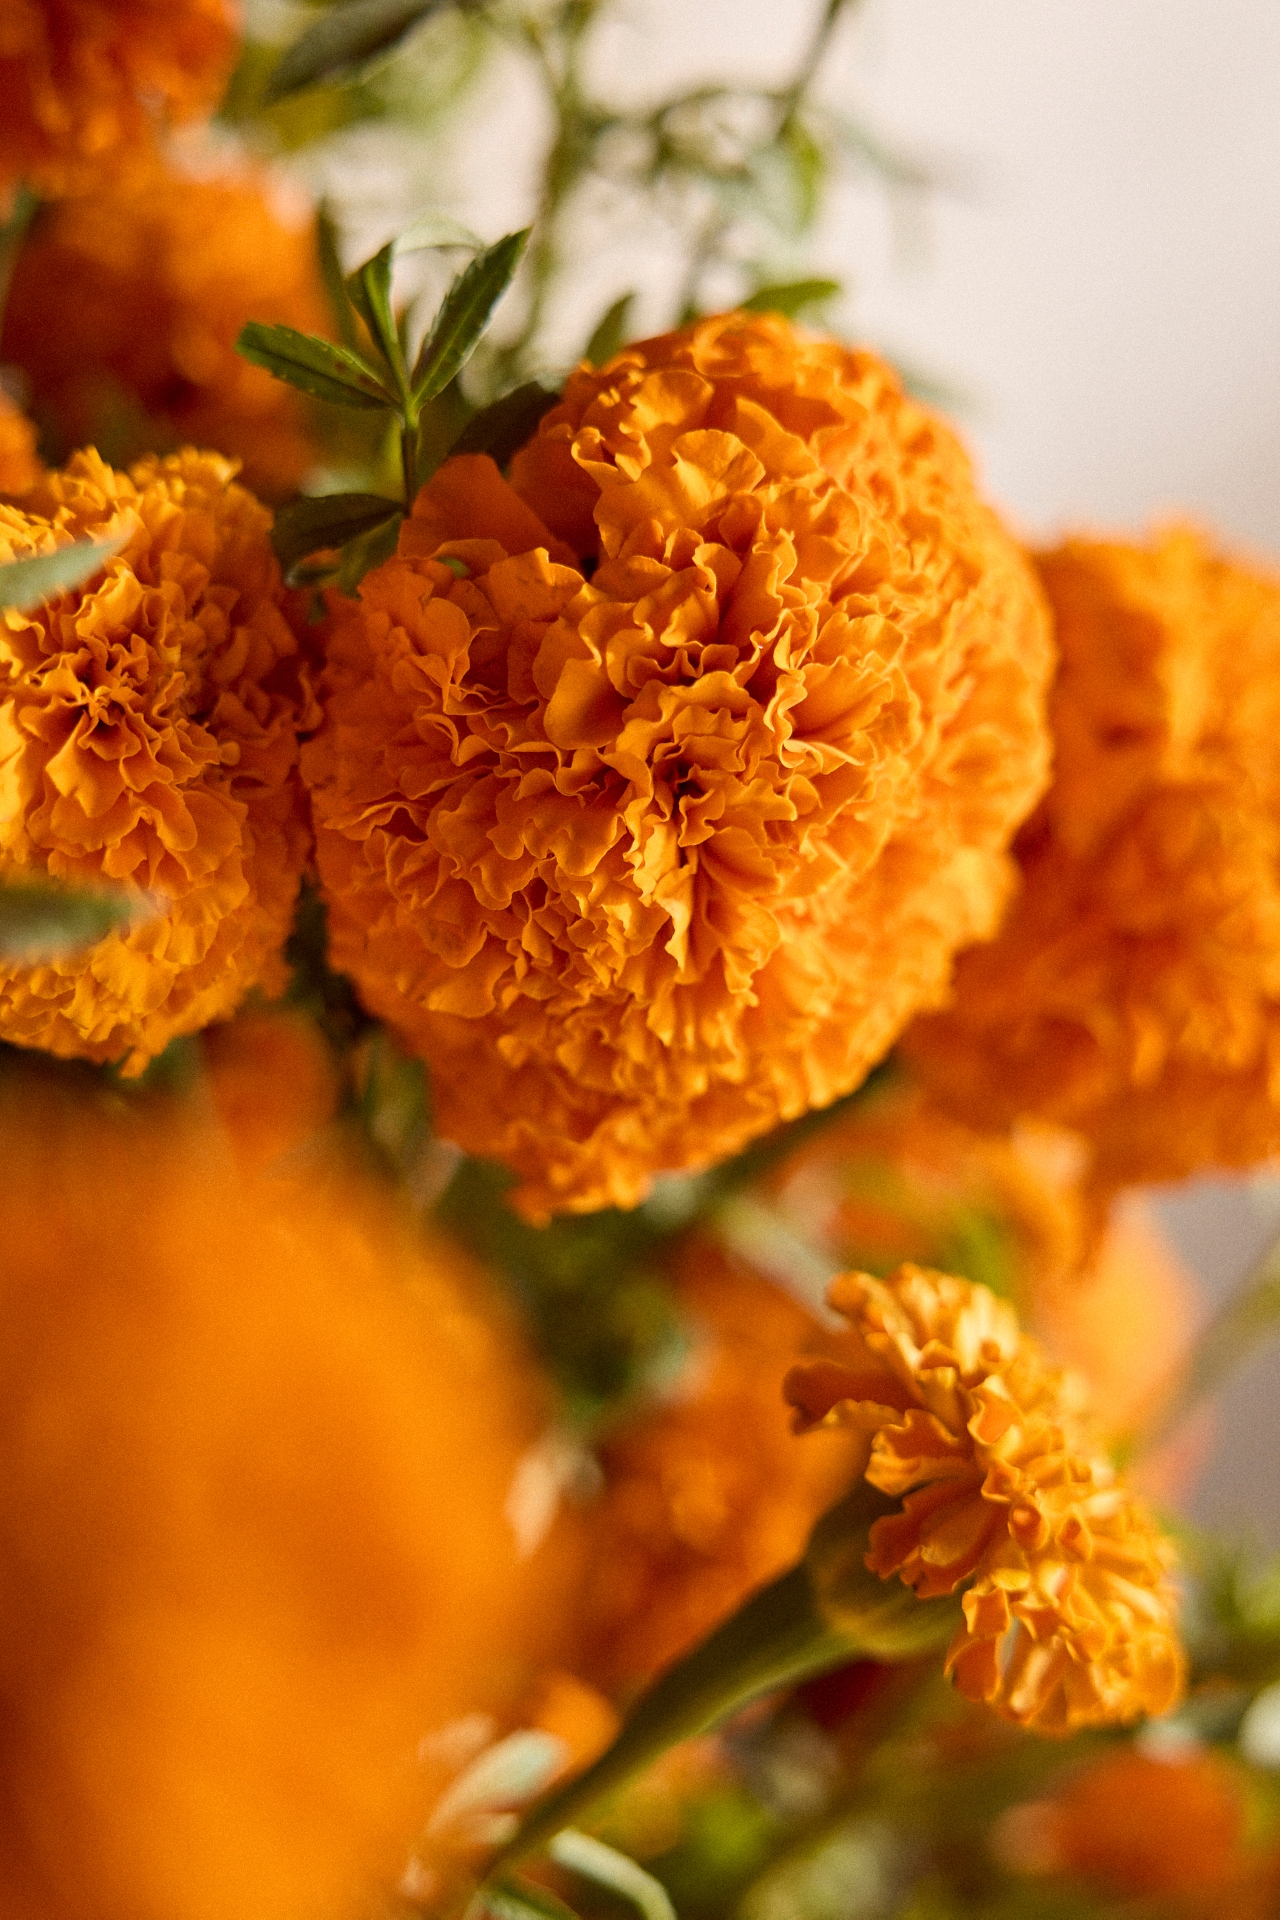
x=613 y=331
x=25 y=584
x=609 y=1868
x=434 y=229
x=369 y=290
x=791 y=297
x=505 y=1775
x=519 y=1900
x=327 y=520
x=344 y=40
x=315 y=366
x=42 y=921
x=503 y=428
x=464 y=315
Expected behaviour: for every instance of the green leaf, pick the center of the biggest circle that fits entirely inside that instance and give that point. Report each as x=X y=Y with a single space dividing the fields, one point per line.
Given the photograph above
x=367 y=551
x=344 y=40
x=791 y=297
x=520 y=1900
x=609 y=1868
x=434 y=229
x=25 y=584
x=505 y=1775
x=41 y=921
x=335 y=280
x=328 y=520
x=317 y=367
x=464 y=314
x=369 y=289
x=503 y=428
x=612 y=333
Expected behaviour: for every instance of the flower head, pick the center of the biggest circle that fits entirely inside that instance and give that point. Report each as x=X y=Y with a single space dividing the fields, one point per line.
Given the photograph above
x=655 y=828
x=148 y=738
x=1068 y=1608
x=85 y=84
x=19 y=467
x=1134 y=990
x=144 y=354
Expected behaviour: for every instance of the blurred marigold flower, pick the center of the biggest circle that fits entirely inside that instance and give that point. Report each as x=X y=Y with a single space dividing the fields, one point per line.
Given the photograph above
x=126 y=328
x=1134 y=990
x=654 y=829
x=19 y=467
x=255 y=1446
x=148 y=737
x=1068 y=1614
x=84 y=84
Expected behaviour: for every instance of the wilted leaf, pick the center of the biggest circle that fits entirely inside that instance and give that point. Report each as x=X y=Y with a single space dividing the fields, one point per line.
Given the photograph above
x=612 y=333
x=42 y=921
x=791 y=297
x=315 y=366
x=464 y=314
x=344 y=39
x=28 y=583
x=328 y=520
x=609 y=1868
x=502 y=429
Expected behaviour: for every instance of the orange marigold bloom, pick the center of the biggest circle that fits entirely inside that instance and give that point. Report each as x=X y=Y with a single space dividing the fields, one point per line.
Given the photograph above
x=141 y=352
x=255 y=1448
x=1134 y=991
x=1068 y=1611
x=82 y=82
x=654 y=829
x=19 y=467
x=148 y=737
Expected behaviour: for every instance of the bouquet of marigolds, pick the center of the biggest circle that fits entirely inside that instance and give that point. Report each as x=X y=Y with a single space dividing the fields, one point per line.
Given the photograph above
x=590 y=952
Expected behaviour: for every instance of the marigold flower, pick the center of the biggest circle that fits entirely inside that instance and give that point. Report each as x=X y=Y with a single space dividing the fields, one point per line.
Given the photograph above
x=19 y=467
x=1068 y=1611
x=1134 y=991
x=256 y=1444
x=83 y=82
x=148 y=738
x=650 y=851
x=707 y=1496
x=144 y=352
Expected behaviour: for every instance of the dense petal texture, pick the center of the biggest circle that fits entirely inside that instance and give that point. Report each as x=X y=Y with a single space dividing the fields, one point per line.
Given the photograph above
x=19 y=467
x=1068 y=1607
x=126 y=304
x=83 y=82
x=148 y=737
x=256 y=1443
x=655 y=828
x=1134 y=991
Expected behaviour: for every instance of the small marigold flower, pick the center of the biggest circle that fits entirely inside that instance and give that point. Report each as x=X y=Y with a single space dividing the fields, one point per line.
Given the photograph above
x=1134 y=990
x=84 y=84
x=647 y=861
x=706 y=1497
x=144 y=353
x=255 y=1451
x=19 y=467
x=148 y=738
x=1068 y=1608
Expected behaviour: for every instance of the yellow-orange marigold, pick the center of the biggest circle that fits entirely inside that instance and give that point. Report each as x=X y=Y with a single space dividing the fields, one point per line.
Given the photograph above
x=19 y=467
x=1134 y=990
x=654 y=829
x=1068 y=1608
x=126 y=304
x=85 y=84
x=148 y=737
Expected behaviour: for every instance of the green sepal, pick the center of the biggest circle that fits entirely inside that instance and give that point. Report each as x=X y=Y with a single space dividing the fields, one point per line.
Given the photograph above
x=464 y=315
x=327 y=520
x=42 y=921
x=612 y=332
x=25 y=584
x=315 y=366
x=521 y=1900
x=503 y=428
x=344 y=40
x=369 y=290
x=791 y=297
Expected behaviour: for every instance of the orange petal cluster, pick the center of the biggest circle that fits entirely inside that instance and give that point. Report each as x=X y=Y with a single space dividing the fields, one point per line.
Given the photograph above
x=1134 y=991
x=19 y=467
x=654 y=827
x=256 y=1442
x=84 y=84
x=126 y=304
x=1068 y=1607
x=148 y=738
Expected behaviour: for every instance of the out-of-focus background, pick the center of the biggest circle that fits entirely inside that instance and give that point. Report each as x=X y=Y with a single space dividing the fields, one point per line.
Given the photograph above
x=1091 y=286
